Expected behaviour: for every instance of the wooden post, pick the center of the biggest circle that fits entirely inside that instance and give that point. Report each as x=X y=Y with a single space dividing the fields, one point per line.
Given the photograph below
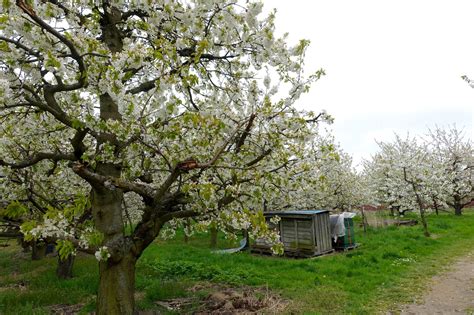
x=364 y=219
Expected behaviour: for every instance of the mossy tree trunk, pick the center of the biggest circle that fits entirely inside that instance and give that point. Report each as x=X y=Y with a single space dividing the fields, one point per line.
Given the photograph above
x=38 y=250
x=64 y=268
x=213 y=237
x=117 y=274
x=458 y=210
x=457 y=205
x=117 y=286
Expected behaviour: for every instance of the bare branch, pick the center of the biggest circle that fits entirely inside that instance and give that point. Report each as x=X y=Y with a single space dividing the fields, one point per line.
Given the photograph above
x=100 y=180
x=38 y=158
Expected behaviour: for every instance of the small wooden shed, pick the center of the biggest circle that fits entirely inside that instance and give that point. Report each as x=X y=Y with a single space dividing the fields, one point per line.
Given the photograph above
x=304 y=233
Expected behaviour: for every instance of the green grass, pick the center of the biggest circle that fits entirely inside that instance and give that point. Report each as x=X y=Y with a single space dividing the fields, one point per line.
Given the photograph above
x=390 y=267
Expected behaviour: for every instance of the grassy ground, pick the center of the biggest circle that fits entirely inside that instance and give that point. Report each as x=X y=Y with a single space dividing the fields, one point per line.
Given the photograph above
x=390 y=267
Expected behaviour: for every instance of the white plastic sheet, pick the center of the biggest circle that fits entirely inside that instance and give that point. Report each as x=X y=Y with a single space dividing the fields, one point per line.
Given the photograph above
x=338 y=228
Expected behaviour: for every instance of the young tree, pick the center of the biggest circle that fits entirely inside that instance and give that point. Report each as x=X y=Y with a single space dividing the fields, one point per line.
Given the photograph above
x=454 y=155
x=170 y=100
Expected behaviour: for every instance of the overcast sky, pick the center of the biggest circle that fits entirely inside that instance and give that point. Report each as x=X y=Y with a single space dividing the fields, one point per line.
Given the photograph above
x=392 y=66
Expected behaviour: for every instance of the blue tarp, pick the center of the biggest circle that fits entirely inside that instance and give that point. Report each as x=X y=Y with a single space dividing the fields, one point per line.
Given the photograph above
x=243 y=243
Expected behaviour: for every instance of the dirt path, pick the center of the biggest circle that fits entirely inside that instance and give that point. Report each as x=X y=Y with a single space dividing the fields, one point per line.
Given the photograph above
x=450 y=293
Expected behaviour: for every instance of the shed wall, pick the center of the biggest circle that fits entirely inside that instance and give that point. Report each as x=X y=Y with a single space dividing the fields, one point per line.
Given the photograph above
x=323 y=232
x=297 y=234
x=302 y=234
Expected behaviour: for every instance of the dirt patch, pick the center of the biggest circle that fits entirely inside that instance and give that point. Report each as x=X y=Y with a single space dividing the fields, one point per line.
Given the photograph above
x=449 y=293
x=65 y=309
x=247 y=301
x=177 y=304
x=226 y=300
x=21 y=286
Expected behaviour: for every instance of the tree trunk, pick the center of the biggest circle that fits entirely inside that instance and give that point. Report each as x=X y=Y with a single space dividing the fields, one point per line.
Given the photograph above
x=419 y=201
x=457 y=209
x=213 y=237
x=117 y=287
x=392 y=213
x=38 y=251
x=424 y=223
x=117 y=275
x=436 y=206
x=64 y=269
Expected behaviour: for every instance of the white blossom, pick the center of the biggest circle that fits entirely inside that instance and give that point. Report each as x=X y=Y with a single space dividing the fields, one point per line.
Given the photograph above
x=102 y=254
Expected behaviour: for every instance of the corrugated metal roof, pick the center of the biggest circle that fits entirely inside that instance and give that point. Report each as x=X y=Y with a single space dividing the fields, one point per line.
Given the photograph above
x=290 y=212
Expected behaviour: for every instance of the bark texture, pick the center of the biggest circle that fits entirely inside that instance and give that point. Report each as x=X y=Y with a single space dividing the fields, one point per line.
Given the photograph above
x=64 y=268
x=117 y=274
x=213 y=237
x=458 y=209
x=38 y=251
x=116 y=287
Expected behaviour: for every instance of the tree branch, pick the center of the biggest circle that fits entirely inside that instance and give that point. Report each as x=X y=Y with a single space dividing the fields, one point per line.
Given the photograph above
x=245 y=134
x=259 y=158
x=25 y=7
x=111 y=182
x=38 y=158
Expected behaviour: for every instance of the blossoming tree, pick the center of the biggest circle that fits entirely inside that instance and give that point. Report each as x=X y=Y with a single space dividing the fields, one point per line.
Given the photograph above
x=454 y=155
x=403 y=177
x=321 y=178
x=30 y=206
x=340 y=186
x=173 y=101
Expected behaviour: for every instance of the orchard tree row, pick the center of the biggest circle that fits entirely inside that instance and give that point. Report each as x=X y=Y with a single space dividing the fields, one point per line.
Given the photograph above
x=423 y=174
